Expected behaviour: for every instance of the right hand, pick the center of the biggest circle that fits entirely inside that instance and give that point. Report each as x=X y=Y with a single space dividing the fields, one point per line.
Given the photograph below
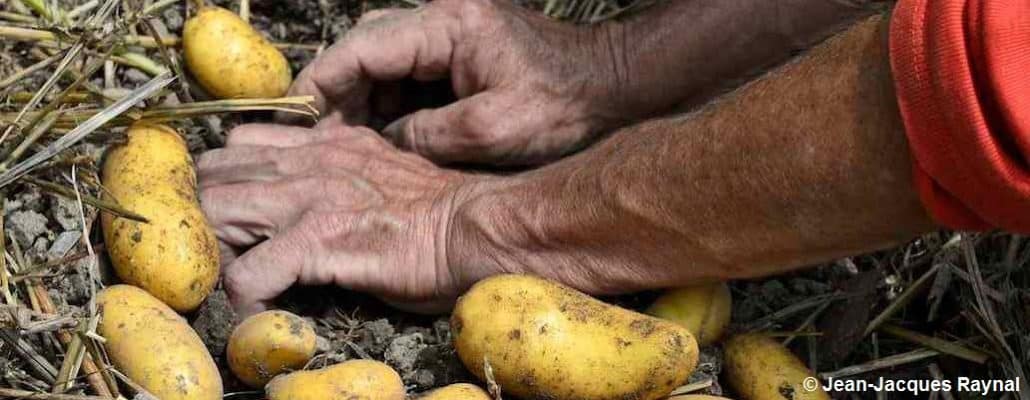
x=530 y=89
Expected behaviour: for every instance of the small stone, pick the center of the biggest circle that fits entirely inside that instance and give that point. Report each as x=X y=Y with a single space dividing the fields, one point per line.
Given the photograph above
x=424 y=378
x=402 y=353
x=66 y=212
x=215 y=321
x=136 y=76
x=26 y=226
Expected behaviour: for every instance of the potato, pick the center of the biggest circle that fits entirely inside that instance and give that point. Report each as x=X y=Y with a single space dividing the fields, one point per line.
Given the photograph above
x=704 y=310
x=350 y=380
x=232 y=60
x=268 y=344
x=758 y=367
x=457 y=391
x=544 y=340
x=156 y=347
x=696 y=397
x=175 y=256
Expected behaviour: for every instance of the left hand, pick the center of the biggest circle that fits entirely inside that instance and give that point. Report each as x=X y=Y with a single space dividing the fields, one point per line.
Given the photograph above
x=329 y=206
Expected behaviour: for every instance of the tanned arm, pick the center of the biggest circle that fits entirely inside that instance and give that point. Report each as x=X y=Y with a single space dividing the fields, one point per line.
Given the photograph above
x=805 y=165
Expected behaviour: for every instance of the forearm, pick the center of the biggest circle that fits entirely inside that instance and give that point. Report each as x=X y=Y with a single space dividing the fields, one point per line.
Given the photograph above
x=805 y=165
x=682 y=53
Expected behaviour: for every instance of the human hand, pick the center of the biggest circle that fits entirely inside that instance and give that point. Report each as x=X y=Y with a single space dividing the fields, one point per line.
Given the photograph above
x=530 y=89
x=337 y=206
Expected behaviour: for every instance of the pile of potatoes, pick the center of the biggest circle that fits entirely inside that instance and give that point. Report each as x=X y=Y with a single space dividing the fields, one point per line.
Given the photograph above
x=534 y=338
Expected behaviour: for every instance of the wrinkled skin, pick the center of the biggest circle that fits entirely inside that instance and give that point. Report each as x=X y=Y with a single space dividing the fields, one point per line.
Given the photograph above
x=723 y=193
x=361 y=214
x=516 y=73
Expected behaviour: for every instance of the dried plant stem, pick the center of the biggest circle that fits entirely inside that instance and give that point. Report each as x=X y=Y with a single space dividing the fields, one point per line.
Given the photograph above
x=82 y=9
x=300 y=105
x=158 y=6
x=27 y=395
x=10 y=16
x=690 y=388
x=42 y=368
x=50 y=39
x=90 y=69
x=66 y=61
x=48 y=122
x=4 y=283
x=882 y=363
x=66 y=338
x=17 y=76
x=71 y=98
x=245 y=10
x=940 y=345
x=95 y=202
x=85 y=128
x=140 y=62
x=901 y=301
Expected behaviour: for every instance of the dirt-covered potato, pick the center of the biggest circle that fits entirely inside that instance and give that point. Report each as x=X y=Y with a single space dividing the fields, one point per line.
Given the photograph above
x=150 y=343
x=457 y=391
x=547 y=341
x=268 y=344
x=758 y=367
x=175 y=256
x=703 y=309
x=232 y=60
x=349 y=380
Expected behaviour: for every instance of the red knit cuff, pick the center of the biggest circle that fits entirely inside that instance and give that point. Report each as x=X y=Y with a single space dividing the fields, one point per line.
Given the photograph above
x=962 y=75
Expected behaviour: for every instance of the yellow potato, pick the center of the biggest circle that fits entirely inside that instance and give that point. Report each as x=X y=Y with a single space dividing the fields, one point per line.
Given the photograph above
x=350 y=380
x=268 y=344
x=232 y=60
x=758 y=367
x=544 y=340
x=457 y=391
x=155 y=347
x=696 y=397
x=704 y=310
x=175 y=256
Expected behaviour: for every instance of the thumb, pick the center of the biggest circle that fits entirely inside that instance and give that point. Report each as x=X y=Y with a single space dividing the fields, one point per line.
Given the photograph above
x=469 y=130
x=254 y=279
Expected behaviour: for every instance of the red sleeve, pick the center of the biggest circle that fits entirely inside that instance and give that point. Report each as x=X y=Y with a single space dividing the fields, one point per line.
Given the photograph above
x=962 y=74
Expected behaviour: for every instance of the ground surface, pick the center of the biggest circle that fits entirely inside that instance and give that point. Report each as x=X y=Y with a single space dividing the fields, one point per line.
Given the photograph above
x=975 y=291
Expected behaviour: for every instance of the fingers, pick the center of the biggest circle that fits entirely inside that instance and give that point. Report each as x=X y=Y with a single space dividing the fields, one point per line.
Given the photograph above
x=420 y=45
x=261 y=274
x=244 y=214
x=373 y=15
x=464 y=131
x=237 y=164
x=274 y=135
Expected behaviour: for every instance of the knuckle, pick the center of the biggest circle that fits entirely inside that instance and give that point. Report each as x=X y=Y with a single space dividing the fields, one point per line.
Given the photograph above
x=239 y=134
x=480 y=128
x=207 y=160
x=234 y=280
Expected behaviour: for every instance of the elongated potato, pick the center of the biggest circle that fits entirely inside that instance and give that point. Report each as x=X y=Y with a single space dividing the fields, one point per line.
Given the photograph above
x=547 y=341
x=758 y=367
x=150 y=343
x=232 y=60
x=175 y=256
x=268 y=344
x=349 y=380
x=457 y=391
x=703 y=309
